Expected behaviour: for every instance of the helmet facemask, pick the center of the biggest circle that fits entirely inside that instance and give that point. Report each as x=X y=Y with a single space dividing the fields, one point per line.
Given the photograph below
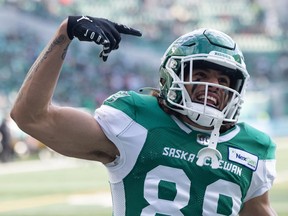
x=206 y=110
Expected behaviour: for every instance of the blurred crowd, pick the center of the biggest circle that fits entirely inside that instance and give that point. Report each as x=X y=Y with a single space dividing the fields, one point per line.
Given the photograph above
x=262 y=36
x=83 y=81
x=6 y=150
x=259 y=26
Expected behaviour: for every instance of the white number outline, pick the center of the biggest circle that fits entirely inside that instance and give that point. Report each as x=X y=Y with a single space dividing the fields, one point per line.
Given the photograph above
x=183 y=183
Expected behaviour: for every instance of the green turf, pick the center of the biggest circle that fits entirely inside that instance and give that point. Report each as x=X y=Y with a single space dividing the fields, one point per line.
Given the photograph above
x=45 y=193
x=62 y=210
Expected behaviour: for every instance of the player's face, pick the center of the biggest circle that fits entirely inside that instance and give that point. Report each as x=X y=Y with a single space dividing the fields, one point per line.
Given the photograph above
x=217 y=97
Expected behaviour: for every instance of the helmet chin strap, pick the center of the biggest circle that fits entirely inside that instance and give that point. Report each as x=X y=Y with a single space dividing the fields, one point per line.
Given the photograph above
x=210 y=155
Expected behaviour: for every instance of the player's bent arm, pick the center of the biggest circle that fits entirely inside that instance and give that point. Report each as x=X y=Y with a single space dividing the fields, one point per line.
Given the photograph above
x=73 y=133
x=68 y=131
x=258 y=206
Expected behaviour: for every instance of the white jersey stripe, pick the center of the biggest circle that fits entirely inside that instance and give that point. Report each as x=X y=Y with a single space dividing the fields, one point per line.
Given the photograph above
x=127 y=135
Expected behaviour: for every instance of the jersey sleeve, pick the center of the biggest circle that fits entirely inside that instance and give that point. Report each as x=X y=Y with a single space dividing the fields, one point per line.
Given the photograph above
x=116 y=114
x=264 y=176
x=115 y=117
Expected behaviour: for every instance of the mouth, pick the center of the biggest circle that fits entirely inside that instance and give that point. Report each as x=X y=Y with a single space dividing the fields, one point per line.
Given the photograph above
x=212 y=101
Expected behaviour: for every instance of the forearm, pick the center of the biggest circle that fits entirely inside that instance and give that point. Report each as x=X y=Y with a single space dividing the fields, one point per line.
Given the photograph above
x=258 y=206
x=263 y=211
x=37 y=90
x=34 y=98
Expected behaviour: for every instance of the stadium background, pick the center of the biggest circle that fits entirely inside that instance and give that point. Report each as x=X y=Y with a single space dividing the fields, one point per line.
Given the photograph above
x=36 y=181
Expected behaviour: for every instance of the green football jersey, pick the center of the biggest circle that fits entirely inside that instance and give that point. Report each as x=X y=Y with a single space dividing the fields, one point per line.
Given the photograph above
x=156 y=172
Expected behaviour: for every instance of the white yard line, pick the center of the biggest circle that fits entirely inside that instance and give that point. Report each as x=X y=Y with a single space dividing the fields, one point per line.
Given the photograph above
x=38 y=165
x=103 y=199
x=96 y=199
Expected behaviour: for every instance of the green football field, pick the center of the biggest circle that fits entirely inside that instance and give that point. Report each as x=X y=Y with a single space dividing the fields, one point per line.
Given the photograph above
x=71 y=187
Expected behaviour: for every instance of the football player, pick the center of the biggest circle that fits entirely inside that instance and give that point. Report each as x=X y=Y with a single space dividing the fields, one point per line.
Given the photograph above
x=177 y=151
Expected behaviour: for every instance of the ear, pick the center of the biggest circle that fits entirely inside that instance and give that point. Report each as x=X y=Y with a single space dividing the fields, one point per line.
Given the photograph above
x=162 y=81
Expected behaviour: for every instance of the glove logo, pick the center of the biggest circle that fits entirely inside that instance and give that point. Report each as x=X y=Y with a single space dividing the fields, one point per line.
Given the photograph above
x=101 y=31
x=84 y=18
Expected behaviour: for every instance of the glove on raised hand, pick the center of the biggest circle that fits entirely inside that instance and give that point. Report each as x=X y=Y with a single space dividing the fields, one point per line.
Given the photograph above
x=101 y=31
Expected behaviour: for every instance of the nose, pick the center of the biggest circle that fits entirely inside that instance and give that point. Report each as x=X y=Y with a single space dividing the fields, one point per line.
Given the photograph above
x=213 y=79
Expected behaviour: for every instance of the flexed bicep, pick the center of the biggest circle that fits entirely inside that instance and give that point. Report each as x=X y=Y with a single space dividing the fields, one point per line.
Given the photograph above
x=74 y=133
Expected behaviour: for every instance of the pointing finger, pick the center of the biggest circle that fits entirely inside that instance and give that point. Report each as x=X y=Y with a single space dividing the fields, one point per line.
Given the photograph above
x=127 y=30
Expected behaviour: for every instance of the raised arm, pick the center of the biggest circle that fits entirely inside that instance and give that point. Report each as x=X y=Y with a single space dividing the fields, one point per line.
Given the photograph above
x=65 y=129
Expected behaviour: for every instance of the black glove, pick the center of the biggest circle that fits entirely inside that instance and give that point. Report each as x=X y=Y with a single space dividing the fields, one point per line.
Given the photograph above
x=99 y=30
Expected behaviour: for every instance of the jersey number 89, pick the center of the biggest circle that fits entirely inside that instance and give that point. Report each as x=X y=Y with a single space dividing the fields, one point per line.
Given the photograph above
x=182 y=197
